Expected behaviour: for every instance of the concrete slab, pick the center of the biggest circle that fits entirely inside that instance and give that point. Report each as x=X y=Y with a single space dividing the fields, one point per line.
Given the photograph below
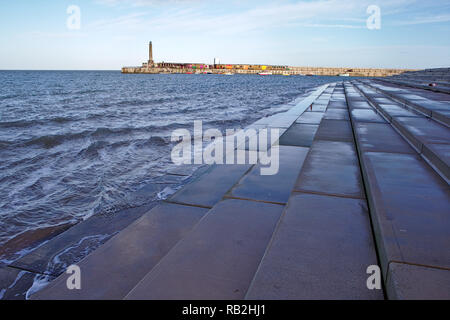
x=391 y=111
x=321 y=250
x=272 y=188
x=408 y=96
x=359 y=105
x=383 y=100
x=420 y=131
x=427 y=107
x=410 y=282
x=413 y=99
x=335 y=130
x=354 y=99
x=434 y=105
x=445 y=113
x=306 y=102
x=210 y=187
x=300 y=135
x=115 y=268
x=380 y=137
x=336 y=114
x=409 y=206
x=366 y=115
x=331 y=168
x=279 y=120
x=218 y=259
x=340 y=104
x=261 y=144
x=442 y=116
x=315 y=107
x=322 y=101
x=14 y=248
x=439 y=155
x=14 y=283
x=71 y=246
x=310 y=118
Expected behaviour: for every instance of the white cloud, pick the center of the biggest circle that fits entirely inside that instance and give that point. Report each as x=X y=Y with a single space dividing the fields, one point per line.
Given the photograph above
x=350 y=14
x=143 y=3
x=132 y=19
x=306 y=13
x=68 y=34
x=425 y=20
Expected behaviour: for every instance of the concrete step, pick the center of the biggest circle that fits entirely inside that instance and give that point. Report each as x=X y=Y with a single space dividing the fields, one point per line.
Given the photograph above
x=209 y=188
x=112 y=270
x=430 y=138
x=408 y=204
x=435 y=106
x=218 y=259
x=321 y=250
x=274 y=188
x=442 y=86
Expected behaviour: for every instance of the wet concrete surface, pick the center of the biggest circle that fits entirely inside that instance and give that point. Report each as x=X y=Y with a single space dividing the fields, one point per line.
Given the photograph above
x=321 y=250
x=336 y=114
x=410 y=282
x=439 y=155
x=133 y=252
x=419 y=131
x=338 y=104
x=383 y=100
x=218 y=259
x=69 y=247
x=422 y=100
x=410 y=203
x=310 y=118
x=14 y=283
x=272 y=188
x=359 y=105
x=317 y=108
x=425 y=130
x=210 y=188
x=331 y=167
x=380 y=137
x=300 y=135
x=254 y=142
x=391 y=111
x=335 y=130
x=366 y=115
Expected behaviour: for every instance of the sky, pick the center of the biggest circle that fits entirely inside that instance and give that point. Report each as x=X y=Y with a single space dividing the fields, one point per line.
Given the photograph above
x=109 y=34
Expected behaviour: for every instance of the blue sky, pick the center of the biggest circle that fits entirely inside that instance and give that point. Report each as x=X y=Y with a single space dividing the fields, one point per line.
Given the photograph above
x=115 y=33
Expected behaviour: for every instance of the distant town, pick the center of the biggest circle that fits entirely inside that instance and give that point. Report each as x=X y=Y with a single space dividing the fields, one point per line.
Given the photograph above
x=152 y=67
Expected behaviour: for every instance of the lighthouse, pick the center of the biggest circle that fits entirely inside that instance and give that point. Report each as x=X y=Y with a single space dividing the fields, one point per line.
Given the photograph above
x=150 y=54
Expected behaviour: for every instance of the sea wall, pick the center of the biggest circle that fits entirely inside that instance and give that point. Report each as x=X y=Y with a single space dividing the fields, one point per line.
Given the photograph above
x=322 y=71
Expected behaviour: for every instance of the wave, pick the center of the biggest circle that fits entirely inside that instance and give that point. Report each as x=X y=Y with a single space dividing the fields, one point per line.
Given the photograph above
x=10 y=96
x=34 y=122
x=141 y=102
x=52 y=140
